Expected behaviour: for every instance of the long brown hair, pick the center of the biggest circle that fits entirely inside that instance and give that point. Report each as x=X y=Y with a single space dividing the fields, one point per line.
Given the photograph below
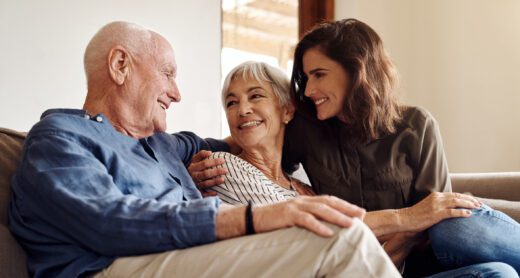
x=371 y=107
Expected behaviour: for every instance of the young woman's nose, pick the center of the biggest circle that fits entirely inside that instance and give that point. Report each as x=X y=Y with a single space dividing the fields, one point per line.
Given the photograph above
x=309 y=90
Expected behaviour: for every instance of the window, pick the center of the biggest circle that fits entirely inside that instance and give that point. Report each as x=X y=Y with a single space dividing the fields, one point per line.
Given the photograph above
x=267 y=31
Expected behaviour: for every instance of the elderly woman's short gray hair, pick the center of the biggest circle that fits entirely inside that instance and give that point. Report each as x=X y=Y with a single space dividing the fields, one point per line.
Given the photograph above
x=260 y=71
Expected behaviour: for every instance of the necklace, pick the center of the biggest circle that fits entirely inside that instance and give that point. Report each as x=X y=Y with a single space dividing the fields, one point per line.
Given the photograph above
x=277 y=180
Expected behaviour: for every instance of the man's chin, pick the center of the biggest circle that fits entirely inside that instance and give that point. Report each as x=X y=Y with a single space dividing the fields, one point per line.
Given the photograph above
x=160 y=127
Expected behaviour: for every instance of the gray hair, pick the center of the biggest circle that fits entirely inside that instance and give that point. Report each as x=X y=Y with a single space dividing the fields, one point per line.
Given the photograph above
x=261 y=71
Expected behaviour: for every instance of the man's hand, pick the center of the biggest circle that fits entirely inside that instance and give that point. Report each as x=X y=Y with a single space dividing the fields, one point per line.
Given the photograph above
x=305 y=211
x=206 y=172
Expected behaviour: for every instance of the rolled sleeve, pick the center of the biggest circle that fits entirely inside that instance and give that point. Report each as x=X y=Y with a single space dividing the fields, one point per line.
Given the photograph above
x=194 y=224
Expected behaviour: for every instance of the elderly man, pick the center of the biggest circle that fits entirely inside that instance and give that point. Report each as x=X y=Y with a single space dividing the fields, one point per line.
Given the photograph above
x=104 y=191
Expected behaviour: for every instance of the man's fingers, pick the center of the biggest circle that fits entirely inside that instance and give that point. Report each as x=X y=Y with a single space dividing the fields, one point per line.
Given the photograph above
x=210 y=182
x=208 y=193
x=327 y=213
x=309 y=222
x=205 y=164
x=341 y=205
x=209 y=174
x=201 y=156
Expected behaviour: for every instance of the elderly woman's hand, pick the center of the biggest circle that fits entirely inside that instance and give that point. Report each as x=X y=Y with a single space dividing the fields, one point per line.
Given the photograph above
x=435 y=208
x=207 y=172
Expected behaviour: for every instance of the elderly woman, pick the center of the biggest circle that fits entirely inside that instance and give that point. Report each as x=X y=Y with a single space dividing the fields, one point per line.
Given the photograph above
x=357 y=142
x=258 y=107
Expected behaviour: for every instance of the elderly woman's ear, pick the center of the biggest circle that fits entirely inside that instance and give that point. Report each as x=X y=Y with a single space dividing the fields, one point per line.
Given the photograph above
x=289 y=113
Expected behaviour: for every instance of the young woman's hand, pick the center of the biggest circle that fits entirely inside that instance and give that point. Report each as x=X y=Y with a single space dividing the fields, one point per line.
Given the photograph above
x=435 y=208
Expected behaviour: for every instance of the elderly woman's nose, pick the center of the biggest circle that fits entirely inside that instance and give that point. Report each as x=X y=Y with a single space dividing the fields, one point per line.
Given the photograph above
x=244 y=108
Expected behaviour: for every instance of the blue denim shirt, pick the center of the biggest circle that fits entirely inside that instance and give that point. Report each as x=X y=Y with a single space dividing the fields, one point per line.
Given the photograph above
x=86 y=194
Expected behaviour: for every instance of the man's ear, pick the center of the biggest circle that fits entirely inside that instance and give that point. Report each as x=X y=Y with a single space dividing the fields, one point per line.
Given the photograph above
x=118 y=64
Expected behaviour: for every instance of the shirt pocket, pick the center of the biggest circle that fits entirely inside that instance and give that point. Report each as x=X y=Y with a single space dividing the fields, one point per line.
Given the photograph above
x=394 y=181
x=323 y=180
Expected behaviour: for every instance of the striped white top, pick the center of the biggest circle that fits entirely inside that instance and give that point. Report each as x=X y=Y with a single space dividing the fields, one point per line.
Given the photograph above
x=245 y=182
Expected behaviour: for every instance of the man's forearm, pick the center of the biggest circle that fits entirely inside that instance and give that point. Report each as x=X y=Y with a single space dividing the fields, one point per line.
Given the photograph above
x=230 y=222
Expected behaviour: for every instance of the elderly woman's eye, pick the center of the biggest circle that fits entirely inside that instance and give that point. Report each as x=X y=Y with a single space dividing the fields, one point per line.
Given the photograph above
x=230 y=103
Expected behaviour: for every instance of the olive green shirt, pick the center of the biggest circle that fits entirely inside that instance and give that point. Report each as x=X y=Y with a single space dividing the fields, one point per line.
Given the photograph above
x=397 y=170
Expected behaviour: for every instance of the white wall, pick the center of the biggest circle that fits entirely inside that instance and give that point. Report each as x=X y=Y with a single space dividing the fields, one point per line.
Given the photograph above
x=460 y=59
x=42 y=44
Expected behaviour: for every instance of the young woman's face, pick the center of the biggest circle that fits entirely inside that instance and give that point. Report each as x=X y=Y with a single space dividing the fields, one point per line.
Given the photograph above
x=327 y=84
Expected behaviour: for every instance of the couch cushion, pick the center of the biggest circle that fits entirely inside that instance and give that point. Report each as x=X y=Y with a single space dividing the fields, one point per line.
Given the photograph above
x=12 y=257
x=510 y=208
x=11 y=143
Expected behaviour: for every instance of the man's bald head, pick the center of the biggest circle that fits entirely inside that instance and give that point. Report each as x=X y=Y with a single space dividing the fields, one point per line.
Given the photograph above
x=134 y=38
x=131 y=75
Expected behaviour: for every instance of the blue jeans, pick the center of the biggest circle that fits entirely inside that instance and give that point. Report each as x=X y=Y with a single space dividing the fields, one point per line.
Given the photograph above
x=484 y=270
x=487 y=236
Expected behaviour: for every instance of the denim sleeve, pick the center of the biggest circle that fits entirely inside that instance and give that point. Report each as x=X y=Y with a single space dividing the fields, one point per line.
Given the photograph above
x=66 y=194
x=188 y=144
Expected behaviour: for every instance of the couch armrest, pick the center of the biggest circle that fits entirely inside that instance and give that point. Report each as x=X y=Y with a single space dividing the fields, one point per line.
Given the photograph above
x=500 y=191
x=505 y=186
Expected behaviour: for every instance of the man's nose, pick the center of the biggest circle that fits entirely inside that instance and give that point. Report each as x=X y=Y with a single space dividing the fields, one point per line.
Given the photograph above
x=174 y=93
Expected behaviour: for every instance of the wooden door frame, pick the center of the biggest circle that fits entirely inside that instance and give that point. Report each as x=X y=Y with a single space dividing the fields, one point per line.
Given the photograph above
x=311 y=12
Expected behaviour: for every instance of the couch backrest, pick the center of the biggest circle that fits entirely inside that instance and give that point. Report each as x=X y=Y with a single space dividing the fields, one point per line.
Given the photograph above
x=12 y=257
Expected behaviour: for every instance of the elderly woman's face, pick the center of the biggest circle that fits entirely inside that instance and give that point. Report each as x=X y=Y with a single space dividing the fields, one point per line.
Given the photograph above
x=254 y=114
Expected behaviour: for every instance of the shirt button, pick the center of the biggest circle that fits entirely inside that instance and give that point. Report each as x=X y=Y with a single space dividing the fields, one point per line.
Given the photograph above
x=86 y=117
x=99 y=119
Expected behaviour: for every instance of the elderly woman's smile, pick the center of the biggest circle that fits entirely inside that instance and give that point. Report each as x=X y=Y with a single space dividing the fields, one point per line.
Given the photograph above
x=249 y=124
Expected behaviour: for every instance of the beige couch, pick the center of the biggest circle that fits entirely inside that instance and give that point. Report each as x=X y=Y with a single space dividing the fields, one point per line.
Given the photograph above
x=505 y=186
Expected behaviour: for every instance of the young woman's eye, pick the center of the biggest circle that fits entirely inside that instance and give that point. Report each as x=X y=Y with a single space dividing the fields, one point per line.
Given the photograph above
x=319 y=75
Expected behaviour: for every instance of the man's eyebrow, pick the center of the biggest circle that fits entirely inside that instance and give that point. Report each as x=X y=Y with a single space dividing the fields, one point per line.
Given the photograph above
x=170 y=68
